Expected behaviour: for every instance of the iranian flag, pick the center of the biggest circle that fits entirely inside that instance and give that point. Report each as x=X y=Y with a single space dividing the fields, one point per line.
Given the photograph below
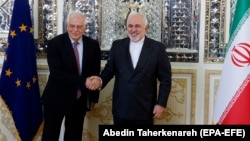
x=232 y=104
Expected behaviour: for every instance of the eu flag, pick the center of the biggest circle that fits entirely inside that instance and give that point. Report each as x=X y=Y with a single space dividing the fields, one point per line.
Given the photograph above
x=19 y=86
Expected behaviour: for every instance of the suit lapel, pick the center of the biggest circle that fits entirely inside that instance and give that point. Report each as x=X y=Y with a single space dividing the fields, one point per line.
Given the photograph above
x=127 y=58
x=70 y=51
x=145 y=55
x=85 y=50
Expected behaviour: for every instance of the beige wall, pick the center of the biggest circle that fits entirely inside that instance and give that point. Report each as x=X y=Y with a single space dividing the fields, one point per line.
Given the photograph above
x=190 y=102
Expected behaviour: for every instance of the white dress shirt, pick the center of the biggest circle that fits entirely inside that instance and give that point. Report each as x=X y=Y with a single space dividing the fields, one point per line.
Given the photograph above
x=135 y=51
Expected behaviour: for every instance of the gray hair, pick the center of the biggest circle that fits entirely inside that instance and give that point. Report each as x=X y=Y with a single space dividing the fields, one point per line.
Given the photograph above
x=145 y=20
x=78 y=14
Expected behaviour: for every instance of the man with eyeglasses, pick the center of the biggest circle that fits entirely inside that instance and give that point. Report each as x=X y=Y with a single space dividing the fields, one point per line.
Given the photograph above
x=71 y=57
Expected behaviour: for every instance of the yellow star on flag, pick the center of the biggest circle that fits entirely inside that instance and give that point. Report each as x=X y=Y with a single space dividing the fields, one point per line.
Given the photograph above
x=13 y=33
x=31 y=30
x=8 y=72
x=34 y=79
x=28 y=85
x=18 y=82
x=23 y=27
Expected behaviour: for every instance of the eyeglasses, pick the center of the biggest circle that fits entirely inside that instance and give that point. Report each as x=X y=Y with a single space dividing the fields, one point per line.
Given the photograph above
x=78 y=27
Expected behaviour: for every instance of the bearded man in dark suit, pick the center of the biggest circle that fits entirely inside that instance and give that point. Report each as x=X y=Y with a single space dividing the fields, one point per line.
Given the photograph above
x=137 y=63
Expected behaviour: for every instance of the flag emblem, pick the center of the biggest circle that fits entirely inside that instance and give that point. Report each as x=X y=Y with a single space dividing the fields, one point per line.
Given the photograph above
x=233 y=96
x=241 y=55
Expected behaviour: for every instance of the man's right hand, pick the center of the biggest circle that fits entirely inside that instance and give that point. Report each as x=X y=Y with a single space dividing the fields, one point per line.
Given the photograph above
x=93 y=83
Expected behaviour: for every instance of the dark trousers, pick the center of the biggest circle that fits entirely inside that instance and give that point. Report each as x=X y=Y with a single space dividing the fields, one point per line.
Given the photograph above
x=122 y=121
x=73 y=123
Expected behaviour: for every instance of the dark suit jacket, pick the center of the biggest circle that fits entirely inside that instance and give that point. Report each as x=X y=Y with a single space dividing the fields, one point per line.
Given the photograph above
x=135 y=90
x=64 y=80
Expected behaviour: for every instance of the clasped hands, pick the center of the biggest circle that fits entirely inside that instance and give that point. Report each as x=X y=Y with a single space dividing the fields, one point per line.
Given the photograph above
x=93 y=83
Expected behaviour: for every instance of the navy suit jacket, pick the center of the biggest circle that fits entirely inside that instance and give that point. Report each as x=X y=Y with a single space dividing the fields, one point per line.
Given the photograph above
x=64 y=80
x=135 y=91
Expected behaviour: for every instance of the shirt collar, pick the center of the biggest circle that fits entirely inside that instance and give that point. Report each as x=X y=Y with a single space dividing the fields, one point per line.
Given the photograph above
x=79 y=41
x=139 y=42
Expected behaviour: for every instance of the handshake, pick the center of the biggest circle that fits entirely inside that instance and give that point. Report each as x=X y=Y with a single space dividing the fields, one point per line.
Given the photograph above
x=94 y=83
